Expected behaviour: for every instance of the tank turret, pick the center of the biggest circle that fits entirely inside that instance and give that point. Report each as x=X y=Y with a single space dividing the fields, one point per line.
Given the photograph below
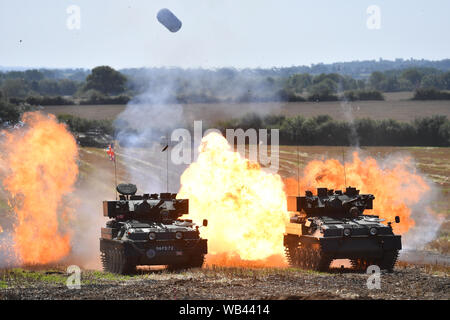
x=163 y=207
x=329 y=202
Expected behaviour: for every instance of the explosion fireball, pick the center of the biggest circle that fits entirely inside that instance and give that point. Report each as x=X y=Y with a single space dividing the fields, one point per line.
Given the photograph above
x=246 y=207
x=396 y=187
x=40 y=158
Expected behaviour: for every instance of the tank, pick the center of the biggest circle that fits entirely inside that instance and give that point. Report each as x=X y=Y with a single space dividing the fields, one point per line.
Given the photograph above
x=332 y=225
x=147 y=230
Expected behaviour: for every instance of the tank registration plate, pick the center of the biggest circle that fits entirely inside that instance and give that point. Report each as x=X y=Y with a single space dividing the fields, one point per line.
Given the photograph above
x=165 y=248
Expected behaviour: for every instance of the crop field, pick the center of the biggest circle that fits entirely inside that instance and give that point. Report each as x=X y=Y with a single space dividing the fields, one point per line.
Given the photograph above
x=396 y=106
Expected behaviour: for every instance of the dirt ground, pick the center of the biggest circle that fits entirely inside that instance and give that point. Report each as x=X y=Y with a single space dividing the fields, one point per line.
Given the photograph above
x=406 y=282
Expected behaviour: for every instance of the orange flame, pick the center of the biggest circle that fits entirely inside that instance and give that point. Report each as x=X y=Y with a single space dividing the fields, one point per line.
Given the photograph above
x=42 y=169
x=246 y=207
x=396 y=188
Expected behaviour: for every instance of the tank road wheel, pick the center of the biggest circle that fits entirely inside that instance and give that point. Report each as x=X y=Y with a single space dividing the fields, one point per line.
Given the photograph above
x=122 y=263
x=388 y=261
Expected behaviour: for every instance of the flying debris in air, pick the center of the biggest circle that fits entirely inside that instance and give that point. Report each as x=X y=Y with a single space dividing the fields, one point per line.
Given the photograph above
x=169 y=20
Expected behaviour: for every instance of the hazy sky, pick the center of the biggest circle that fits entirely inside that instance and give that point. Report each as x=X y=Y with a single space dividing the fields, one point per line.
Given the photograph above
x=215 y=33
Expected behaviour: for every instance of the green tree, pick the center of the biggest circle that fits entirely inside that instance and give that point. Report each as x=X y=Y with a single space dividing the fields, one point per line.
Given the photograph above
x=48 y=87
x=34 y=75
x=15 y=88
x=376 y=80
x=67 y=87
x=413 y=76
x=446 y=80
x=299 y=82
x=8 y=111
x=106 y=80
x=432 y=81
x=325 y=88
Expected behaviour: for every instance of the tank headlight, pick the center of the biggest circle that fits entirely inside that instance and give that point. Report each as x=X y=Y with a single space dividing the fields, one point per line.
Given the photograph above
x=347 y=232
x=373 y=231
x=178 y=235
x=152 y=236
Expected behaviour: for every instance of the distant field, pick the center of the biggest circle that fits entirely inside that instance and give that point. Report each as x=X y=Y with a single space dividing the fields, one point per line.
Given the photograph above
x=396 y=106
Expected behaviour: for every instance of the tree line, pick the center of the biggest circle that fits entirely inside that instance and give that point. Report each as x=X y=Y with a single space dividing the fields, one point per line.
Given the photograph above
x=105 y=85
x=319 y=130
x=324 y=130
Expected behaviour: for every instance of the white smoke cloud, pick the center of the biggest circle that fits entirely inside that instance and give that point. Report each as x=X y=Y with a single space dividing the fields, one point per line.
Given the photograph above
x=142 y=130
x=427 y=222
x=8 y=257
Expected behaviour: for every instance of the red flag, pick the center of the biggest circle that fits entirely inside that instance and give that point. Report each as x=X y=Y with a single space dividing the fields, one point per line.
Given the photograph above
x=111 y=153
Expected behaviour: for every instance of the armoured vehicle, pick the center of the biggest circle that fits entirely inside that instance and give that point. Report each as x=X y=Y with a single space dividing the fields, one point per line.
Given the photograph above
x=331 y=225
x=146 y=230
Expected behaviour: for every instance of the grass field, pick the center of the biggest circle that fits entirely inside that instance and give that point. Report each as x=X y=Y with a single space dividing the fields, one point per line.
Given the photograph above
x=396 y=106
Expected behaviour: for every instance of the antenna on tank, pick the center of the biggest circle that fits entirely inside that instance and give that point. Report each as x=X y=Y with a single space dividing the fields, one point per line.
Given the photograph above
x=166 y=149
x=112 y=156
x=298 y=172
x=167 y=164
x=345 y=173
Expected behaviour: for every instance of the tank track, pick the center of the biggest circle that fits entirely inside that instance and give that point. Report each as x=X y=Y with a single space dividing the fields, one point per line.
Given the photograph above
x=308 y=258
x=386 y=262
x=389 y=260
x=114 y=260
x=290 y=253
